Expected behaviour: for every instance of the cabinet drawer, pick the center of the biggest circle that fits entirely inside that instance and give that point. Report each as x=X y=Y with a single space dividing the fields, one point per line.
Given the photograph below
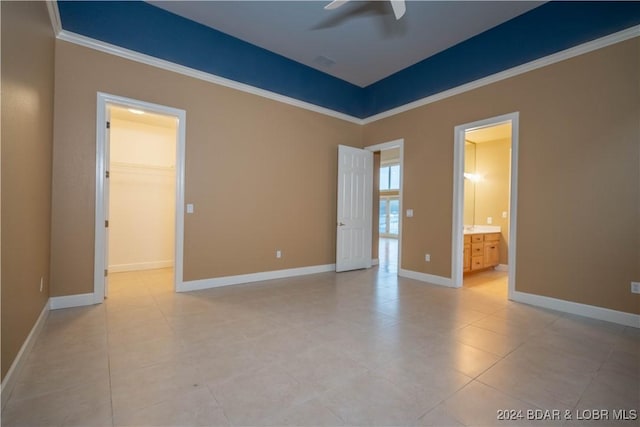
x=477 y=238
x=477 y=263
x=477 y=249
x=493 y=237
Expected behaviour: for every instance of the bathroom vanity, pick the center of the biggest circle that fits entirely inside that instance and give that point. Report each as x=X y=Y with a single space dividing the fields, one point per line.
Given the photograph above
x=481 y=249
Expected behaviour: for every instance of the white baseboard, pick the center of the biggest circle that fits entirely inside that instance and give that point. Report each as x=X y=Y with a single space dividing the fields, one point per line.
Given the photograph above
x=12 y=374
x=599 y=313
x=502 y=267
x=375 y=261
x=591 y=311
x=424 y=277
x=194 y=285
x=69 y=301
x=150 y=265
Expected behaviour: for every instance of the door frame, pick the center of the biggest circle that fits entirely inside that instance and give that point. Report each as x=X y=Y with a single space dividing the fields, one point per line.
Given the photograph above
x=103 y=100
x=396 y=143
x=457 y=244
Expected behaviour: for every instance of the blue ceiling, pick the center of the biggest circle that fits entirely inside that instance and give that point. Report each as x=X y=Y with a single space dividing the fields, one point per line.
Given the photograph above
x=545 y=30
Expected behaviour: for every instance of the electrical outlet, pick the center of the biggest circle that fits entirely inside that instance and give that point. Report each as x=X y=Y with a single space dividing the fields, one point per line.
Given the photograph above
x=427 y=257
x=41 y=284
x=489 y=220
x=635 y=287
x=278 y=253
x=504 y=214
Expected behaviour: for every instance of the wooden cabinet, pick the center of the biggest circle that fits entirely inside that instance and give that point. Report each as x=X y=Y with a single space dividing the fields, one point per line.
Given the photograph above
x=467 y=253
x=481 y=251
x=491 y=250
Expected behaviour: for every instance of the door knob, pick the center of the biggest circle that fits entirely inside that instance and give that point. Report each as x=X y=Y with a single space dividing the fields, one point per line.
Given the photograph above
x=340 y=224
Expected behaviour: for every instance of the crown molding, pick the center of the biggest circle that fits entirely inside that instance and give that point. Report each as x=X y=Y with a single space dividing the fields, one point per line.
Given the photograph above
x=111 y=49
x=54 y=16
x=71 y=37
x=600 y=43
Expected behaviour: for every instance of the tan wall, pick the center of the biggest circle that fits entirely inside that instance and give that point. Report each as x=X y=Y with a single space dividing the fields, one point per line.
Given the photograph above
x=27 y=120
x=579 y=175
x=492 y=193
x=261 y=174
x=246 y=156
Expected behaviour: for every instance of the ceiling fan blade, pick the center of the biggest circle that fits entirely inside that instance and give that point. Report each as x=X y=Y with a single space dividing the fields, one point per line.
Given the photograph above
x=399 y=8
x=335 y=4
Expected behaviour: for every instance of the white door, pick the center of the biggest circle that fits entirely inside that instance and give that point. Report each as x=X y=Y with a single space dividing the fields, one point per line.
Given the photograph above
x=107 y=187
x=355 y=193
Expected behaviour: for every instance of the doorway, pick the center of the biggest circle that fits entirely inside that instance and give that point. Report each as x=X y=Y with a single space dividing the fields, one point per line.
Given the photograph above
x=139 y=189
x=142 y=158
x=388 y=161
x=486 y=208
x=485 y=196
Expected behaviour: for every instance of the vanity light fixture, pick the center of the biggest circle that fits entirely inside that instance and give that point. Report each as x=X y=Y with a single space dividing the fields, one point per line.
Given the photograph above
x=473 y=177
x=134 y=111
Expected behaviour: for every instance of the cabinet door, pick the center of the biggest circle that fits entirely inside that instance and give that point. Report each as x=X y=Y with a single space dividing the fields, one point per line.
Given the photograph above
x=467 y=258
x=491 y=254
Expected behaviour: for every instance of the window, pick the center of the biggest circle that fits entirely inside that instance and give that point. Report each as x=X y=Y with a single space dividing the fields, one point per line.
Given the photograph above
x=390 y=177
x=389 y=215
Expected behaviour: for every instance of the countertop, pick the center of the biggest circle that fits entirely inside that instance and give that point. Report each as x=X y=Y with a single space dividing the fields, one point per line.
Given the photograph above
x=481 y=229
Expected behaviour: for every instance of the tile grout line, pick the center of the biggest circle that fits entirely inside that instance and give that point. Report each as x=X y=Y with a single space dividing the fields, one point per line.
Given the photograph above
x=591 y=381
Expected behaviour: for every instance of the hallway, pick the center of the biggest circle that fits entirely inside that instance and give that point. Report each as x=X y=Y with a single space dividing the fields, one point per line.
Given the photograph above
x=388 y=254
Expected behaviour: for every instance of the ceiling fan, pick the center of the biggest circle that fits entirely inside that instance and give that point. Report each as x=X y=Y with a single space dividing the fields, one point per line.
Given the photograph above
x=398 y=6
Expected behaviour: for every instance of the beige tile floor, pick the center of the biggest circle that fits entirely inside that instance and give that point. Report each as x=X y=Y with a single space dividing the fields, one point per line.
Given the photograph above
x=356 y=348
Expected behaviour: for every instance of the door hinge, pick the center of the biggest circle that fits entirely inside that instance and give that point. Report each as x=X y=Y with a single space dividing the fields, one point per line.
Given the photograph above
x=106 y=174
x=108 y=125
x=106 y=223
x=106 y=272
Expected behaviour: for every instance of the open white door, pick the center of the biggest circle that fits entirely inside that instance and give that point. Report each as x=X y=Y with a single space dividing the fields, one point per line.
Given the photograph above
x=355 y=193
